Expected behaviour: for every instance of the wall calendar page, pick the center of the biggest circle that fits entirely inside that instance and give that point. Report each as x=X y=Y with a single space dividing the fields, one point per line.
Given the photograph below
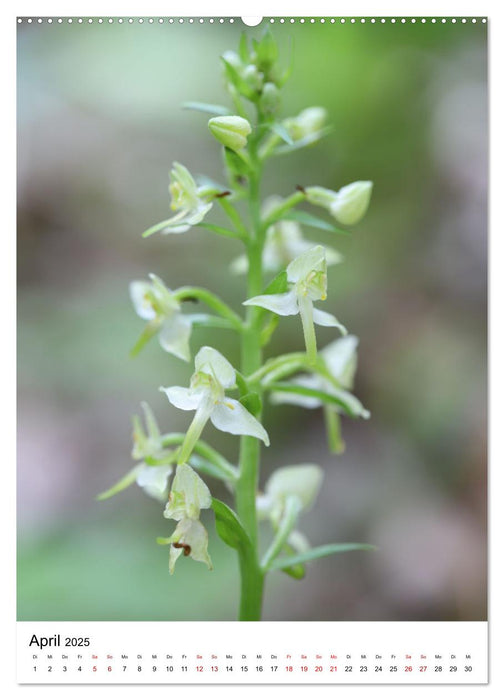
x=252 y=350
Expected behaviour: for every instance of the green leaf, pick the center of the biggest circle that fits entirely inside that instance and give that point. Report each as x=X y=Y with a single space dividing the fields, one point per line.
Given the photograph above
x=307 y=219
x=252 y=403
x=280 y=130
x=302 y=143
x=207 y=108
x=206 y=467
x=317 y=553
x=219 y=230
x=243 y=50
x=230 y=529
x=266 y=50
x=339 y=397
x=122 y=484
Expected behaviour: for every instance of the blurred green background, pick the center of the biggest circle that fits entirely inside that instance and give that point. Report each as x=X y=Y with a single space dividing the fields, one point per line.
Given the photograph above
x=100 y=122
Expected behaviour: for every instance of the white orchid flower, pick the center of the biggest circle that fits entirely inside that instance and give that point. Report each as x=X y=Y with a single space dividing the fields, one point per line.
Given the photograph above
x=189 y=201
x=348 y=205
x=308 y=277
x=154 y=470
x=284 y=243
x=188 y=496
x=301 y=482
x=340 y=358
x=307 y=125
x=155 y=303
x=148 y=446
x=206 y=395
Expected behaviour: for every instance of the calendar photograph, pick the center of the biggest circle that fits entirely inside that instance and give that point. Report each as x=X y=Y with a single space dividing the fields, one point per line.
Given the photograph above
x=252 y=320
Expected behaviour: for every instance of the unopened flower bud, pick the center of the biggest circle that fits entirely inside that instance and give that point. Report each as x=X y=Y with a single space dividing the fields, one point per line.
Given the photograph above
x=348 y=205
x=270 y=98
x=231 y=131
x=352 y=202
x=252 y=77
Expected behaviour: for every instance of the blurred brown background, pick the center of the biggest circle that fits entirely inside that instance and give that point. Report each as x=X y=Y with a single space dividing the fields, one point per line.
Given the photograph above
x=100 y=122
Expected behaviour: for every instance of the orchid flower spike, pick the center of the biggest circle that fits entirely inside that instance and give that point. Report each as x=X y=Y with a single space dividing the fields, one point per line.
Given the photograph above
x=188 y=496
x=189 y=201
x=206 y=395
x=348 y=205
x=284 y=242
x=155 y=303
x=307 y=275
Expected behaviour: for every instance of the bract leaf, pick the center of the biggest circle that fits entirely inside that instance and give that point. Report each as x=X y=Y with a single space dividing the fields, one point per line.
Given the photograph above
x=207 y=108
x=318 y=552
x=229 y=527
x=307 y=219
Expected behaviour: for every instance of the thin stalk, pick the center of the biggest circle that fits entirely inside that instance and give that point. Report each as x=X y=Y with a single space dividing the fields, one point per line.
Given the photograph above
x=252 y=578
x=212 y=301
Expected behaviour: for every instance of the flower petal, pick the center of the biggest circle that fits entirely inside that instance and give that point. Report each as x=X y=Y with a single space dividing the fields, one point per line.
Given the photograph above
x=174 y=336
x=298 y=541
x=192 y=539
x=310 y=261
x=341 y=359
x=302 y=480
x=322 y=318
x=230 y=416
x=139 y=292
x=210 y=361
x=154 y=480
x=188 y=495
x=281 y=304
x=352 y=202
x=182 y=397
x=239 y=265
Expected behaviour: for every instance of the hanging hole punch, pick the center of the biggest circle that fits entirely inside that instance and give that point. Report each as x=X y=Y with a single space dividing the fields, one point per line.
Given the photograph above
x=252 y=21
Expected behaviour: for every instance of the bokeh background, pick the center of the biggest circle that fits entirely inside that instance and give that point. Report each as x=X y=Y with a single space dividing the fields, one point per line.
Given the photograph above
x=100 y=122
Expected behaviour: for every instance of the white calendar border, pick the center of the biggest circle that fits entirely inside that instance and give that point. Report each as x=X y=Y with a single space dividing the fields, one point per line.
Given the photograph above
x=293 y=8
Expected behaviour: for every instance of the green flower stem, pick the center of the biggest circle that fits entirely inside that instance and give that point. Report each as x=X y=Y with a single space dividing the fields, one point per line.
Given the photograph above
x=335 y=440
x=306 y=313
x=212 y=301
x=196 y=428
x=291 y=358
x=221 y=231
x=252 y=578
x=283 y=208
x=227 y=470
x=287 y=523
